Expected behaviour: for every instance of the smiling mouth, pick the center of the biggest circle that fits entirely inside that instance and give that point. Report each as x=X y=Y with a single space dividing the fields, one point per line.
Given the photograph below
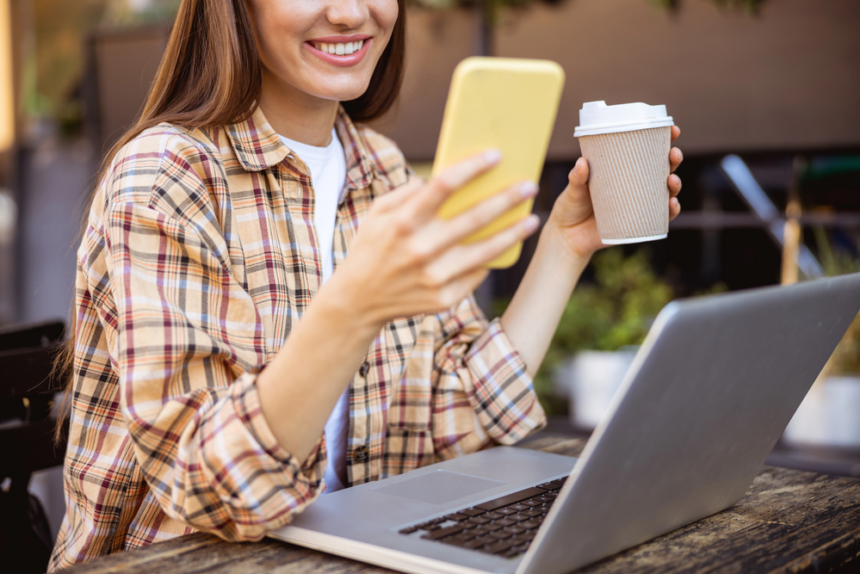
x=339 y=49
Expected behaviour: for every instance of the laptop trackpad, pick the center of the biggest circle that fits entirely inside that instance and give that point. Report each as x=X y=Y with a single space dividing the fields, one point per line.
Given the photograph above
x=439 y=487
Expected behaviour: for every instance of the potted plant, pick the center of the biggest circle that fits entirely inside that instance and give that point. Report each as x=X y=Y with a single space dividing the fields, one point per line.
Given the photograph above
x=601 y=321
x=598 y=335
x=600 y=329
x=830 y=414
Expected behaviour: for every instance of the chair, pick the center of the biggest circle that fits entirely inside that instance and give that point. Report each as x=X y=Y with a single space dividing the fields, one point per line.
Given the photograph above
x=27 y=388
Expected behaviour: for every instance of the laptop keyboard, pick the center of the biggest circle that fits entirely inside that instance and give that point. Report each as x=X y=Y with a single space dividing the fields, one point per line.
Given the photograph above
x=503 y=526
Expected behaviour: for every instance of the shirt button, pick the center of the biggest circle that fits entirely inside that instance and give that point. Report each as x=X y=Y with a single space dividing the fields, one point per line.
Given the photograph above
x=364 y=369
x=360 y=453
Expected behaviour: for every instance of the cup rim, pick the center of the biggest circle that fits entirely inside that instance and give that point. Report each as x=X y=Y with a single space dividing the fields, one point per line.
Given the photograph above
x=624 y=127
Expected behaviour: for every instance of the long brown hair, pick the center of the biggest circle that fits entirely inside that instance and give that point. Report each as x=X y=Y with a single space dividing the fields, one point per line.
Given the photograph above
x=211 y=75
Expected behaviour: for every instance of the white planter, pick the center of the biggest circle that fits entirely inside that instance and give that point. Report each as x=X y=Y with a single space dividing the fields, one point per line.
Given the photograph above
x=829 y=415
x=593 y=378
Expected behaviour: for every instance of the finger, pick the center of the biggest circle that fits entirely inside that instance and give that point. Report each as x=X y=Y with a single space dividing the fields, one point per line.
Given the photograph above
x=676 y=132
x=461 y=287
x=578 y=176
x=397 y=196
x=674 y=208
x=477 y=217
x=675 y=158
x=462 y=259
x=450 y=180
x=674 y=185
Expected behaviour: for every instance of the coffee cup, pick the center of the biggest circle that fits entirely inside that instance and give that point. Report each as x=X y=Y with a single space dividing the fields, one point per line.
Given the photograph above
x=627 y=148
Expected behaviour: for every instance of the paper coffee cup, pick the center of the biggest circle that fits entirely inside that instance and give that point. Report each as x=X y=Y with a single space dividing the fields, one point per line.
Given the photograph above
x=627 y=148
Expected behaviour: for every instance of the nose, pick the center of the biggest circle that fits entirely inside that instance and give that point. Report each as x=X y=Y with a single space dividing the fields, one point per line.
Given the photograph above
x=350 y=14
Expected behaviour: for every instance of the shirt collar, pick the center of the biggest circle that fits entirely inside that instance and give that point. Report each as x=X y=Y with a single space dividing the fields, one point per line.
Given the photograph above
x=258 y=147
x=256 y=144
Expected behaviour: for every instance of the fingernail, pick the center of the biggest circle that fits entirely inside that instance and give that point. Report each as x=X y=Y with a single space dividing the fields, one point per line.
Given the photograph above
x=528 y=189
x=680 y=155
x=531 y=222
x=492 y=156
x=677 y=181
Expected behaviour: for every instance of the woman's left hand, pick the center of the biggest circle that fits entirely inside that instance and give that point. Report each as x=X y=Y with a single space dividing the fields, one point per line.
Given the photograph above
x=573 y=215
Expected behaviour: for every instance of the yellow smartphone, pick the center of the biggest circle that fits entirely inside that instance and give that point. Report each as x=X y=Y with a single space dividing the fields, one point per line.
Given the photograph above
x=505 y=103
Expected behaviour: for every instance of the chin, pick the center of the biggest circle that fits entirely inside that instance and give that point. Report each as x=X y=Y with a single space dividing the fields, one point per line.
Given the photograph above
x=342 y=93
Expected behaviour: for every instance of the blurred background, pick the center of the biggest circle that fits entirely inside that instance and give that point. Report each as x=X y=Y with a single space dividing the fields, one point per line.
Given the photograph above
x=767 y=94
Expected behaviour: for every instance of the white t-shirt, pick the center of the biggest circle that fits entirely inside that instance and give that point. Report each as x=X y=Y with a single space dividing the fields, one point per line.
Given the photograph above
x=328 y=176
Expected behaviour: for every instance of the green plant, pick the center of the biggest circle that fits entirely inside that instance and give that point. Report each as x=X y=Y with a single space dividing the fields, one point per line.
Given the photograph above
x=135 y=12
x=751 y=6
x=491 y=7
x=615 y=311
x=846 y=358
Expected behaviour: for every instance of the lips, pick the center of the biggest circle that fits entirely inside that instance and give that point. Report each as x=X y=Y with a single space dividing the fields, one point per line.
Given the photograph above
x=340 y=51
x=339 y=48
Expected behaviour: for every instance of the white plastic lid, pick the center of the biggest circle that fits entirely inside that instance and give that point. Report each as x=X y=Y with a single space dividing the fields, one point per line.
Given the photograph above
x=598 y=118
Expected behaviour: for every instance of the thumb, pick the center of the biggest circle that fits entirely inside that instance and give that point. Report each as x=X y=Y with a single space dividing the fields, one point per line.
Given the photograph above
x=578 y=177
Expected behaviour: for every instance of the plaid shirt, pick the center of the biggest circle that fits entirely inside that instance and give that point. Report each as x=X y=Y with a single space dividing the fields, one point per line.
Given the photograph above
x=199 y=254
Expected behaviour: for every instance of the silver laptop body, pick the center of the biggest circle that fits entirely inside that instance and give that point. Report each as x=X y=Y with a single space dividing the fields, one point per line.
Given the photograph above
x=709 y=394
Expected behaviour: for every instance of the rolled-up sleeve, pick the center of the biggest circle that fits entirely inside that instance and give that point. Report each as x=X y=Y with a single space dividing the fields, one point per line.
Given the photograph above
x=187 y=350
x=482 y=392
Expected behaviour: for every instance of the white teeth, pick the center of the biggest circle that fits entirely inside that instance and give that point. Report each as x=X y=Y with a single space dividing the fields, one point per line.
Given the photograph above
x=340 y=49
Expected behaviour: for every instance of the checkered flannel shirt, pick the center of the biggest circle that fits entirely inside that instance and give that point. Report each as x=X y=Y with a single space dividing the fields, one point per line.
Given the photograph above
x=198 y=257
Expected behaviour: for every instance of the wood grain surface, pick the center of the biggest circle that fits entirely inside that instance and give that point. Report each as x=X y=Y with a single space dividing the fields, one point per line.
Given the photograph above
x=789 y=521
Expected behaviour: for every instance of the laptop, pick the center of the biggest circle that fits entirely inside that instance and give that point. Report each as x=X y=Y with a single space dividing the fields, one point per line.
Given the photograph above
x=707 y=397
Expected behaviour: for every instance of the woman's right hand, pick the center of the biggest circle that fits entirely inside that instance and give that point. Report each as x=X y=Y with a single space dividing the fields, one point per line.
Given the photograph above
x=405 y=260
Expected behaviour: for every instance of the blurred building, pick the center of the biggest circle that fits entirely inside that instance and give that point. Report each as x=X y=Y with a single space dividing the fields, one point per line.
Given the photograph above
x=783 y=80
x=770 y=86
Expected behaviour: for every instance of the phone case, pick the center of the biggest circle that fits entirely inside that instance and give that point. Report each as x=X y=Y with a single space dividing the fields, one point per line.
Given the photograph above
x=504 y=103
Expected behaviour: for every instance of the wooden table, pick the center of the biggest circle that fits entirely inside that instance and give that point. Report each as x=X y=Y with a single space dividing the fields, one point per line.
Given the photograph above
x=789 y=521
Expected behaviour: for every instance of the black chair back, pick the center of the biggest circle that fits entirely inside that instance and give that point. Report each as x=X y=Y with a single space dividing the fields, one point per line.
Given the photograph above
x=28 y=385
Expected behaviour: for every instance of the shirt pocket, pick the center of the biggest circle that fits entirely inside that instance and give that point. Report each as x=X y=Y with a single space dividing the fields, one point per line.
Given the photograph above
x=405 y=450
x=401 y=336
x=410 y=360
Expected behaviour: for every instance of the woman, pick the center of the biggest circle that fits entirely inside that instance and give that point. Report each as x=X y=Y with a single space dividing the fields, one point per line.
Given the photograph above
x=200 y=400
